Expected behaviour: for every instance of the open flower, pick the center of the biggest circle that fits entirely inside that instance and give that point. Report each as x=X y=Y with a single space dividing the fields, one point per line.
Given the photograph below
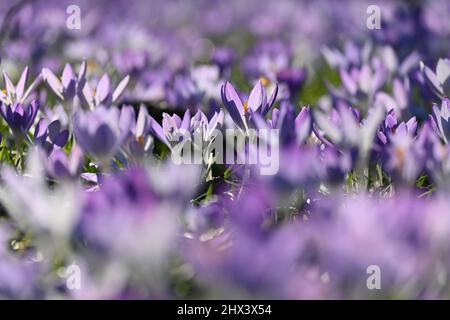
x=69 y=84
x=240 y=111
x=173 y=128
x=103 y=93
x=438 y=81
x=141 y=141
x=441 y=119
x=18 y=93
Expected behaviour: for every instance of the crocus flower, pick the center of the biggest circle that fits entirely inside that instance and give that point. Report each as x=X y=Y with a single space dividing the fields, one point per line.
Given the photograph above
x=438 y=81
x=69 y=85
x=173 y=128
x=19 y=116
x=266 y=59
x=126 y=204
x=103 y=93
x=103 y=131
x=141 y=140
x=404 y=157
x=48 y=136
x=241 y=111
x=391 y=124
x=207 y=128
x=441 y=118
x=18 y=93
x=59 y=165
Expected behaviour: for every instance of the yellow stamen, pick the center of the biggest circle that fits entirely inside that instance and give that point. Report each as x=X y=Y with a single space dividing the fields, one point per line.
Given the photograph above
x=245 y=104
x=140 y=140
x=264 y=81
x=401 y=156
x=4 y=92
x=92 y=64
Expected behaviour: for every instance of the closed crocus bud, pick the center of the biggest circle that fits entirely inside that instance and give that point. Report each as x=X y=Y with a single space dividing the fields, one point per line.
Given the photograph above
x=19 y=116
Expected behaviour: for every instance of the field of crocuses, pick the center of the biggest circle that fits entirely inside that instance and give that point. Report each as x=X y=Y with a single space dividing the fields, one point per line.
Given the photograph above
x=346 y=197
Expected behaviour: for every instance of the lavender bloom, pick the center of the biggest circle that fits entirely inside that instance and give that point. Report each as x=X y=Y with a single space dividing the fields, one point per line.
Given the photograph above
x=141 y=141
x=49 y=136
x=59 y=165
x=126 y=204
x=173 y=128
x=69 y=84
x=438 y=81
x=292 y=129
x=404 y=158
x=391 y=124
x=103 y=93
x=18 y=94
x=103 y=131
x=399 y=99
x=367 y=80
x=257 y=102
x=19 y=116
x=441 y=118
x=267 y=59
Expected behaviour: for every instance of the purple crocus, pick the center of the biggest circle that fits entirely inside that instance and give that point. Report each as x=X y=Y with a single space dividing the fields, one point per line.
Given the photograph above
x=173 y=128
x=62 y=166
x=66 y=87
x=18 y=93
x=103 y=93
x=19 y=116
x=441 y=118
x=141 y=140
x=438 y=81
x=103 y=131
x=49 y=136
x=240 y=111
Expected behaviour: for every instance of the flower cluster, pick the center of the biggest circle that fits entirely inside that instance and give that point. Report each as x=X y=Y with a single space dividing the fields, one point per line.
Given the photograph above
x=93 y=205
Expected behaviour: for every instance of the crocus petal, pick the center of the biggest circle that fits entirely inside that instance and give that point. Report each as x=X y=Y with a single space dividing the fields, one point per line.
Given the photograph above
x=82 y=76
x=88 y=96
x=271 y=101
x=142 y=122
x=9 y=85
x=186 y=123
x=158 y=132
x=61 y=139
x=233 y=104
x=31 y=88
x=40 y=131
x=432 y=80
x=20 y=88
x=348 y=82
x=443 y=70
x=120 y=88
x=53 y=82
x=257 y=97
x=103 y=89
